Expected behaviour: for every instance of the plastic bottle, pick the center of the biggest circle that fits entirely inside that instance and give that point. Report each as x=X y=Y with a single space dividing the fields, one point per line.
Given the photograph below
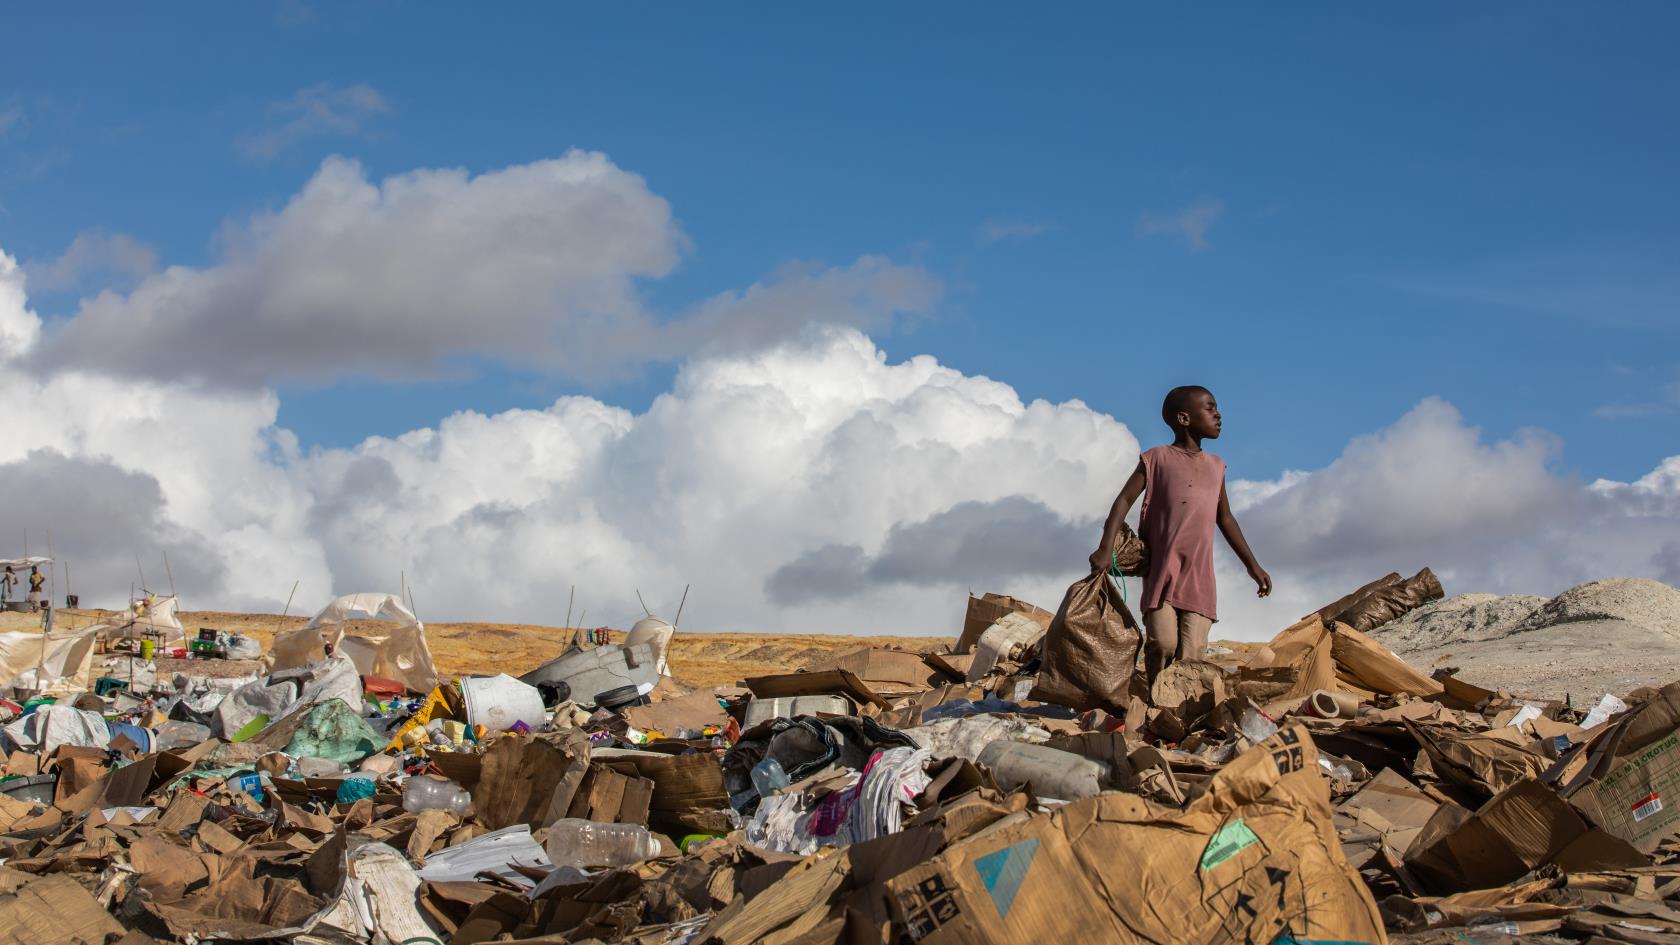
x=768 y=777
x=430 y=792
x=588 y=843
x=1047 y=772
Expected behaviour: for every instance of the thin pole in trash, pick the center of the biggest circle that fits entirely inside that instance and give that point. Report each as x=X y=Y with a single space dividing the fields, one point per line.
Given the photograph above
x=569 y=599
x=141 y=569
x=52 y=571
x=167 y=570
x=642 y=602
x=411 y=605
x=288 y=610
x=680 y=604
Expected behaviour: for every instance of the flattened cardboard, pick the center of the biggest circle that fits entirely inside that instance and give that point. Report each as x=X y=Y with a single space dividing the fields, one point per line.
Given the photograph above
x=950 y=667
x=1392 y=807
x=884 y=670
x=817 y=683
x=1368 y=664
x=54 y=910
x=695 y=710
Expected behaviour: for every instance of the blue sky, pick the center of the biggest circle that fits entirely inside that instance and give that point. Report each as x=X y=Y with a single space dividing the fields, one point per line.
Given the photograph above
x=620 y=279
x=1472 y=202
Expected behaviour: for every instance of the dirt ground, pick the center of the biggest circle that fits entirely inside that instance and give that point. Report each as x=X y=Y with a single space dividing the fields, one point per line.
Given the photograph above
x=1581 y=660
x=697 y=659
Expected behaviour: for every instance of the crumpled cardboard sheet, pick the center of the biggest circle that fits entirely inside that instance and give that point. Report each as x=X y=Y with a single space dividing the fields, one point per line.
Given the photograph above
x=1254 y=858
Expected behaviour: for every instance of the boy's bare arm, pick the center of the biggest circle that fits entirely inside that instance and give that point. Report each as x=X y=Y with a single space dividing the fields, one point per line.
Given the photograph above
x=1129 y=493
x=1234 y=537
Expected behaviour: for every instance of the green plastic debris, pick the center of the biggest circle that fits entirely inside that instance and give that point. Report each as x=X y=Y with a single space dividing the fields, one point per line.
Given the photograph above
x=250 y=728
x=334 y=731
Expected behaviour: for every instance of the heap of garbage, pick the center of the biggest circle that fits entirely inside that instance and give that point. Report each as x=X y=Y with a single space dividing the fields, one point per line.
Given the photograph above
x=1028 y=785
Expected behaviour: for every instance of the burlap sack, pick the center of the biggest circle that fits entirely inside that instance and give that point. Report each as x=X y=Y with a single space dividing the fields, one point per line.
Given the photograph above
x=1130 y=554
x=1090 y=650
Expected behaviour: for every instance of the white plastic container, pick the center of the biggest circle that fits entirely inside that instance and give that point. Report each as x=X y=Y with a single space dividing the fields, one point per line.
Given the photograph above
x=1047 y=772
x=786 y=707
x=591 y=844
x=497 y=702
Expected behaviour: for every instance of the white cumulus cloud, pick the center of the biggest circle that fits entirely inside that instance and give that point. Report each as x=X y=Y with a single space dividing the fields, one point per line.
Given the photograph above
x=534 y=265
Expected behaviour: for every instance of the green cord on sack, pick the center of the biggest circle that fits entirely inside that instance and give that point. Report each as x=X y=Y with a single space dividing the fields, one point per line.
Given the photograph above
x=1114 y=571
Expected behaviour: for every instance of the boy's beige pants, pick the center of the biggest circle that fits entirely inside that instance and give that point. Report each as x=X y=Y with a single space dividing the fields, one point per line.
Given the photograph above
x=1169 y=634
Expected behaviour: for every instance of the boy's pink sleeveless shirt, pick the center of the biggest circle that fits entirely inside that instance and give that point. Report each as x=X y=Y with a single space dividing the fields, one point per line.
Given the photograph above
x=1180 y=502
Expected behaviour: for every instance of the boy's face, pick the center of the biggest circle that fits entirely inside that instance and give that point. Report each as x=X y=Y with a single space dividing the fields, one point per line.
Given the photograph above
x=1202 y=416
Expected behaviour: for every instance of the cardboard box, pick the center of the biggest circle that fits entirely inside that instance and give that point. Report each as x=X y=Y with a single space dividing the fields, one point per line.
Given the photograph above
x=1630 y=782
x=985 y=611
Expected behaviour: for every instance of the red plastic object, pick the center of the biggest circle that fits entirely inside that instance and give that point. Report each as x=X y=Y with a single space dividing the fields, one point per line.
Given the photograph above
x=382 y=688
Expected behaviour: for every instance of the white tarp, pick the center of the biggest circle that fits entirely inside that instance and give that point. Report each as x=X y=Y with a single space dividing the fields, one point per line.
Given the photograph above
x=655 y=632
x=334 y=678
x=68 y=656
x=395 y=651
x=53 y=725
x=146 y=616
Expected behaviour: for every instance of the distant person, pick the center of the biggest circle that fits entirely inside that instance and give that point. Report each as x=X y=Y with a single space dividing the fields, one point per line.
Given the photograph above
x=1183 y=489
x=36 y=582
x=7 y=585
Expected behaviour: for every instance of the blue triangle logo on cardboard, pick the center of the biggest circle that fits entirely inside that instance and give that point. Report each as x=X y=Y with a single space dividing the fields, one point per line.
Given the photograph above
x=1004 y=871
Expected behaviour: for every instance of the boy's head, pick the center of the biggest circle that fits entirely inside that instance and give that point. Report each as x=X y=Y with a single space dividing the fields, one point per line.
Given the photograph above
x=1192 y=409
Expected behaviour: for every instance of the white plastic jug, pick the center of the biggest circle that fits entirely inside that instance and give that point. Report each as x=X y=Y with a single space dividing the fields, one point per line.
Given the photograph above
x=497 y=702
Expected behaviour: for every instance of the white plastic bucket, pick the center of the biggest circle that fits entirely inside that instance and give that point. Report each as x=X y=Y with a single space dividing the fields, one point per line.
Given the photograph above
x=497 y=702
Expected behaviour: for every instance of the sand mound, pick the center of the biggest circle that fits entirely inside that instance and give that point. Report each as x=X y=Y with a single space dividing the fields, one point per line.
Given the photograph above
x=1465 y=618
x=1643 y=605
x=1652 y=605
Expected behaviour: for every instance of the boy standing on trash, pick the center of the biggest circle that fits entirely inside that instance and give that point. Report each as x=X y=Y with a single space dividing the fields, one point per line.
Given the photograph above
x=1183 y=489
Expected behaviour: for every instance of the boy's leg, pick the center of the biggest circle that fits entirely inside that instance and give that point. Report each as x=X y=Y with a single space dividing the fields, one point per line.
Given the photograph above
x=1193 y=631
x=1160 y=640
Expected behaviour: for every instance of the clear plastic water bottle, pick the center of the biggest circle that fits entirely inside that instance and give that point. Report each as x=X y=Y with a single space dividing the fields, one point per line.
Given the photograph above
x=768 y=777
x=430 y=792
x=588 y=843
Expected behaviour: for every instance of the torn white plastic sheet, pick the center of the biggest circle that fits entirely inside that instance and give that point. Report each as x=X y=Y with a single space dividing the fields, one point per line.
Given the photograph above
x=53 y=725
x=383 y=893
x=968 y=736
x=1607 y=706
x=396 y=650
x=23 y=664
x=496 y=853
